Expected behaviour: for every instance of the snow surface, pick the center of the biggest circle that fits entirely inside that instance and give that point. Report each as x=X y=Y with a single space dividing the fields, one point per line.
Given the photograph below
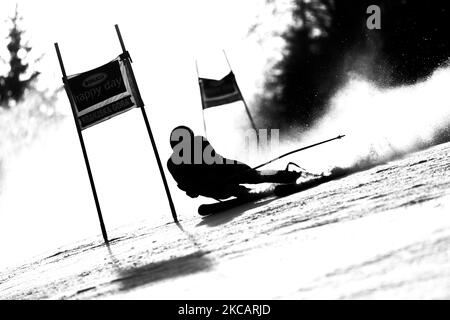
x=380 y=233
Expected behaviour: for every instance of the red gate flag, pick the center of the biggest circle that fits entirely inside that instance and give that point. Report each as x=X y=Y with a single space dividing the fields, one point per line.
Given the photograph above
x=103 y=92
x=218 y=92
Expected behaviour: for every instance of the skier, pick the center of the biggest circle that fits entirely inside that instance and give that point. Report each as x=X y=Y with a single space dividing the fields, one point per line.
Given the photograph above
x=200 y=171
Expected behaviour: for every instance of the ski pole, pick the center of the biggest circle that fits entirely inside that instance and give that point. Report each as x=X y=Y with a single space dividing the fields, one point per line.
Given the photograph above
x=297 y=150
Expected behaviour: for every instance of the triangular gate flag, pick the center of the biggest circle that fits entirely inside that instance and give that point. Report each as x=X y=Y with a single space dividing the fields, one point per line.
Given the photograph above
x=100 y=94
x=215 y=93
x=218 y=92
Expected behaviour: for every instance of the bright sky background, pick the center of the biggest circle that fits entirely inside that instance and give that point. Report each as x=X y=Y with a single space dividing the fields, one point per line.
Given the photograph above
x=46 y=199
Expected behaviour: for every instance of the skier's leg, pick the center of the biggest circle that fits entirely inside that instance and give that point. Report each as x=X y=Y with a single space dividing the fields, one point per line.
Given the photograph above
x=281 y=176
x=226 y=191
x=267 y=176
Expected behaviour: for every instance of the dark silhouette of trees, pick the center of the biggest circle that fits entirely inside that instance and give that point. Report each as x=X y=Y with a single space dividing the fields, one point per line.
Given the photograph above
x=329 y=38
x=16 y=81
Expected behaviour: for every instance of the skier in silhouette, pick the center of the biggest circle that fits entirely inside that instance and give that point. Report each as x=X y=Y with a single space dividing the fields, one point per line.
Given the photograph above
x=200 y=171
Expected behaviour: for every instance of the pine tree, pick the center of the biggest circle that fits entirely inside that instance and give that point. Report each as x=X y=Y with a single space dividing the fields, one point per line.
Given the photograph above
x=13 y=86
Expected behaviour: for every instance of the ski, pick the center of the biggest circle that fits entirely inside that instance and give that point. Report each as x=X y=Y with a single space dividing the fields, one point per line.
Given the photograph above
x=212 y=208
x=277 y=190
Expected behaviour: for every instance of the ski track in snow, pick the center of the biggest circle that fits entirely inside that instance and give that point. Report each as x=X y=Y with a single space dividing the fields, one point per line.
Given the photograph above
x=380 y=233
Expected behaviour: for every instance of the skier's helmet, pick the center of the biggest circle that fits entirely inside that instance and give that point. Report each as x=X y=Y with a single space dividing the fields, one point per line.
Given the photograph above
x=179 y=133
